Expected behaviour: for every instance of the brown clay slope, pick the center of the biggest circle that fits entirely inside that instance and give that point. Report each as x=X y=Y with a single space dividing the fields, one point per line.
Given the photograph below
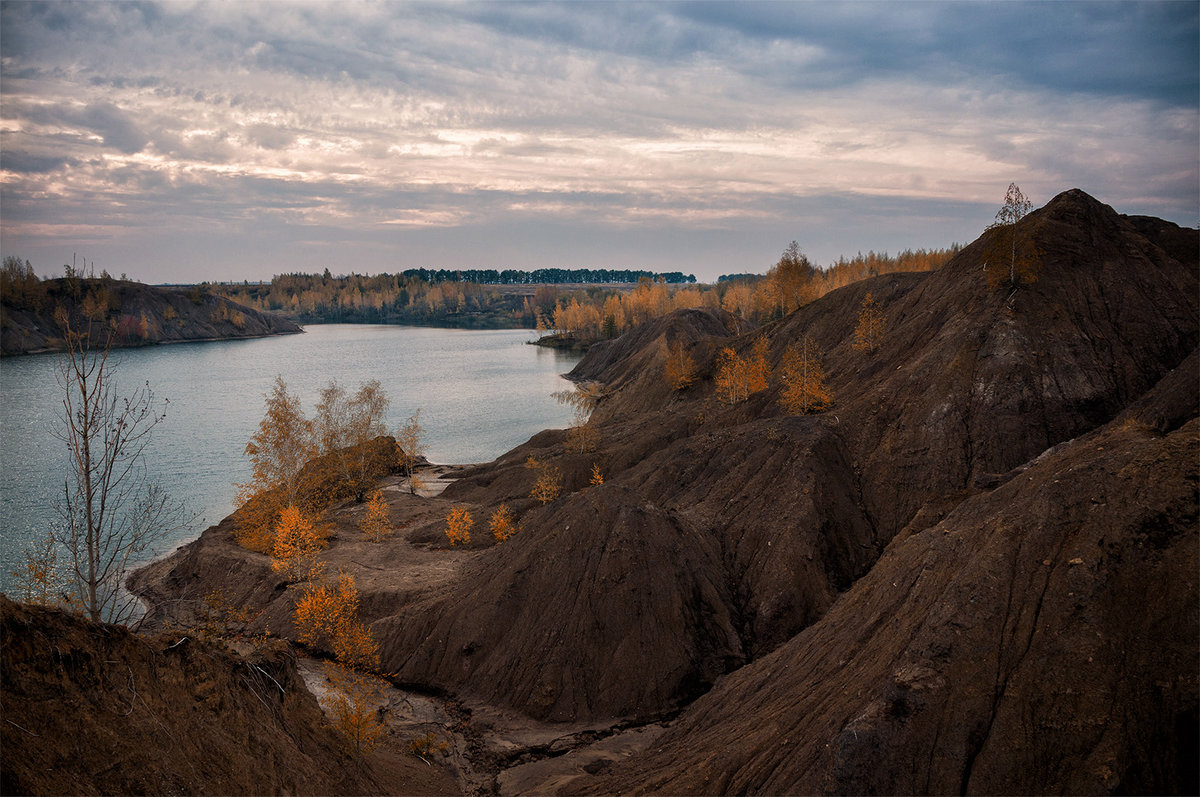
x=971 y=384
x=94 y=709
x=1041 y=639
x=721 y=532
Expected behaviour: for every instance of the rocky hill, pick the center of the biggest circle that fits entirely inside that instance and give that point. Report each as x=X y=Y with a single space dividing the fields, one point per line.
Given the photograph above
x=136 y=314
x=976 y=572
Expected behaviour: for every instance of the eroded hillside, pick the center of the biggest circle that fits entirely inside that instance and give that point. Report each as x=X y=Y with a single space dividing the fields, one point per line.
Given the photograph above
x=134 y=314
x=95 y=709
x=925 y=588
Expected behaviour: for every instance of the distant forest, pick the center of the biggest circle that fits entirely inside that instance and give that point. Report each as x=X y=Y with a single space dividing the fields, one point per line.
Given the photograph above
x=578 y=305
x=552 y=276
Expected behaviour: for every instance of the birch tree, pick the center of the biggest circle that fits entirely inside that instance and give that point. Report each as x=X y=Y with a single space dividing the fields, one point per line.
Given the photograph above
x=112 y=510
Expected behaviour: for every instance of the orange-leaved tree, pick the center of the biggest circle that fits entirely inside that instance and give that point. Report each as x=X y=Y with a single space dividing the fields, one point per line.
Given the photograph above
x=597 y=476
x=502 y=524
x=278 y=451
x=738 y=377
x=868 y=334
x=548 y=482
x=730 y=378
x=680 y=369
x=328 y=613
x=803 y=379
x=758 y=369
x=352 y=702
x=458 y=525
x=376 y=523
x=296 y=545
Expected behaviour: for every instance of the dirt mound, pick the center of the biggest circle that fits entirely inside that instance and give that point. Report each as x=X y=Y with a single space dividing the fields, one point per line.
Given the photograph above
x=613 y=584
x=630 y=367
x=94 y=709
x=141 y=314
x=1041 y=639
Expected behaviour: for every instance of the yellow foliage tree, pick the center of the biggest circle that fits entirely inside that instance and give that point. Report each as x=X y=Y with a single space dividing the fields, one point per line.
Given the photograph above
x=737 y=378
x=730 y=377
x=278 y=451
x=344 y=426
x=548 y=483
x=296 y=545
x=868 y=334
x=328 y=613
x=680 y=369
x=376 y=524
x=803 y=379
x=352 y=703
x=597 y=476
x=758 y=369
x=501 y=524
x=458 y=525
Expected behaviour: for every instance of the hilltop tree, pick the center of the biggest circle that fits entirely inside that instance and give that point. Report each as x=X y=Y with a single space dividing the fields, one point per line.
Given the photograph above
x=112 y=511
x=278 y=451
x=1011 y=257
x=296 y=546
x=345 y=425
x=582 y=436
x=39 y=578
x=868 y=334
x=758 y=368
x=737 y=377
x=730 y=378
x=803 y=379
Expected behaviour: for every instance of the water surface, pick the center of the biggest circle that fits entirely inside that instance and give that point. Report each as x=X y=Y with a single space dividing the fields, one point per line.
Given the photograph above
x=480 y=393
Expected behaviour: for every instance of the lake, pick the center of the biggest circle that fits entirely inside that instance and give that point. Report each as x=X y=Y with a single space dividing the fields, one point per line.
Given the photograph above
x=480 y=394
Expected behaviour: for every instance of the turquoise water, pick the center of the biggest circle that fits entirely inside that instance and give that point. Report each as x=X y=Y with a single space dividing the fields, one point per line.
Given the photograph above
x=480 y=393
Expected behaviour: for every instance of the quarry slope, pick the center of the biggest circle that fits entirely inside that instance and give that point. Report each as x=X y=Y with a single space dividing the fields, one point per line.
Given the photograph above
x=95 y=709
x=1040 y=639
x=753 y=522
x=888 y=577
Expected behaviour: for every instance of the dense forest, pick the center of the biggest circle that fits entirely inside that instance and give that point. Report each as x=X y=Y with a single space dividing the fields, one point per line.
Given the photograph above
x=580 y=305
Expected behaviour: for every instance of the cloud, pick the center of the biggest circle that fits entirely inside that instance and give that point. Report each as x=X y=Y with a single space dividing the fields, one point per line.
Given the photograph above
x=398 y=122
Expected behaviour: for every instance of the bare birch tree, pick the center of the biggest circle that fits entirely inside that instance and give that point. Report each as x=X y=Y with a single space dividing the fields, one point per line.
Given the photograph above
x=112 y=510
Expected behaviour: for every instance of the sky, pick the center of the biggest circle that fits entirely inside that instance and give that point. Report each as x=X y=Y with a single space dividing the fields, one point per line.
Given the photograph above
x=188 y=141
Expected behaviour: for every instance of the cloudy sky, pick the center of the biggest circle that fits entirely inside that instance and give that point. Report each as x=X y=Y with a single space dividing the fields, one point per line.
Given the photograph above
x=182 y=141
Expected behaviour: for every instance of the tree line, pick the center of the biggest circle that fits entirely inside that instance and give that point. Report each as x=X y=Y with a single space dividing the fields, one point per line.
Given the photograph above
x=575 y=276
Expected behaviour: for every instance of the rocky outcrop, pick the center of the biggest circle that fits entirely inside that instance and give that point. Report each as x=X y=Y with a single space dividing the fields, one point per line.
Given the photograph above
x=133 y=313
